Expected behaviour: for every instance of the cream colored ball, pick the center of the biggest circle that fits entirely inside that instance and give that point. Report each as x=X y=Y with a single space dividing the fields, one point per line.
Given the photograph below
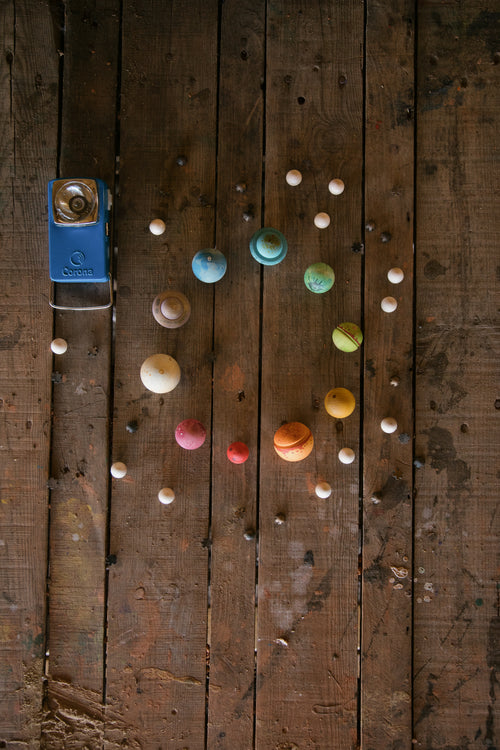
x=166 y=495
x=118 y=470
x=157 y=226
x=388 y=425
x=323 y=490
x=160 y=373
x=293 y=177
x=336 y=187
x=346 y=455
x=389 y=304
x=59 y=346
x=322 y=220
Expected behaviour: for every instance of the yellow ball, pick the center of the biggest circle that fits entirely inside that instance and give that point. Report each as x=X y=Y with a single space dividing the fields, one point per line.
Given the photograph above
x=293 y=441
x=339 y=402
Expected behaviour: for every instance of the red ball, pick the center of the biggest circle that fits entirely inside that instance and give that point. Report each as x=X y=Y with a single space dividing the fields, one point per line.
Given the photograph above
x=238 y=453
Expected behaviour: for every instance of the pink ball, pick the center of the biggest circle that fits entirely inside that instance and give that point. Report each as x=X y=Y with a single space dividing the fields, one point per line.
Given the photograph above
x=190 y=434
x=238 y=453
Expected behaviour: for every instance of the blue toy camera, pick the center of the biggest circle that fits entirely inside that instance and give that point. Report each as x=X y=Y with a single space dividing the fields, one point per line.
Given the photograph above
x=79 y=235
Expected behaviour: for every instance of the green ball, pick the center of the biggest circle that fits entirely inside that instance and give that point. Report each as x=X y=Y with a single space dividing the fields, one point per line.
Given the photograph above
x=347 y=337
x=319 y=278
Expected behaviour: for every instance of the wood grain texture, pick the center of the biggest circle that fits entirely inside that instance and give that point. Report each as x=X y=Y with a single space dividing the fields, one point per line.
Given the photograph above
x=28 y=147
x=457 y=432
x=80 y=430
x=236 y=377
x=386 y=644
x=175 y=626
x=308 y=566
x=157 y=636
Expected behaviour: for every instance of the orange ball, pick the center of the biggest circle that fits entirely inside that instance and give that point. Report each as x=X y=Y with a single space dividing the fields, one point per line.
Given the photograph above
x=293 y=441
x=339 y=402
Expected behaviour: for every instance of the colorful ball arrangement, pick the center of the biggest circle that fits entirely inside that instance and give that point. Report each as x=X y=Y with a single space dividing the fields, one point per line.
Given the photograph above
x=340 y=403
x=238 y=452
x=319 y=278
x=160 y=373
x=190 y=434
x=209 y=265
x=347 y=337
x=293 y=441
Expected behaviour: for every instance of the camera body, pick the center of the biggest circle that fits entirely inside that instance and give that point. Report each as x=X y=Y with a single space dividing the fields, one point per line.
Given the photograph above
x=79 y=231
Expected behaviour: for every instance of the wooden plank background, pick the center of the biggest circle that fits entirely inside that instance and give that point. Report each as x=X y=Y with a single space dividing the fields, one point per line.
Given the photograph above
x=249 y=613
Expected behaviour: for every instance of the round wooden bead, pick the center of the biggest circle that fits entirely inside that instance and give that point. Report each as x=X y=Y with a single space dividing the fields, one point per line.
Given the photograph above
x=166 y=496
x=336 y=187
x=157 y=226
x=322 y=220
x=118 y=470
x=293 y=177
x=59 y=346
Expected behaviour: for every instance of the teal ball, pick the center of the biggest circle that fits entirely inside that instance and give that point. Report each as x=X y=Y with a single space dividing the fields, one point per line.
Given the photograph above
x=268 y=246
x=319 y=278
x=209 y=265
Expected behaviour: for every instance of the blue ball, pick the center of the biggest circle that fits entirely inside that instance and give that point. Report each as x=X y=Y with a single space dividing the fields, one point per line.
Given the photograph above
x=209 y=265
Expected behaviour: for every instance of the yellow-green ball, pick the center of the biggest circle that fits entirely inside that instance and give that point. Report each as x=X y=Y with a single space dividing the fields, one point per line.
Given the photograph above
x=340 y=403
x=347 y=337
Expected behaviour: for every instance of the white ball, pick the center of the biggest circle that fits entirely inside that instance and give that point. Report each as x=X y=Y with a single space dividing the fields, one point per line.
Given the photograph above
x=336 y=187
x=118 y=470
x=395 y=275
x=323 y=490
x=294 y=177
x=346 y=455
x=388 y=304
x=157 y=226
x=389 y=425
x=322 y=220
x=160 y=373
x=59 y=346
x=166 y=496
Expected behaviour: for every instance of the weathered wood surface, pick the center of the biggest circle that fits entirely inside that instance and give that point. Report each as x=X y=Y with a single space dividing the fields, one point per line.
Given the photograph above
x=237 y=331
x=81 y=393
x=28 y=149
x=457 y=625
x=249 y=613
x=386 y=593
x=158 y=596
x=307 y=628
